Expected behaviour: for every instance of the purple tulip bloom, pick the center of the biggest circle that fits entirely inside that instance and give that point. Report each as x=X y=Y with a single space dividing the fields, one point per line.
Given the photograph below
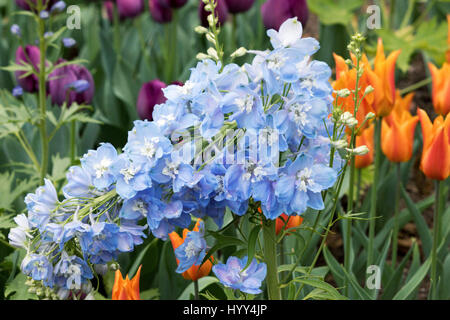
x=237 y=6
x=160 y=11
x=175 y=3
x=126 y=8
x=275 y=12
x=32 y=55
x=71 y=83
x=150 y=95
x=221 y=12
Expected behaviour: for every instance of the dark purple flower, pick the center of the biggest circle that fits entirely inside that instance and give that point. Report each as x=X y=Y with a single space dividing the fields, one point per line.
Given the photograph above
x=24 y=5
x=71 y=83
x=150 y=95
x=275 y=12
x=31 y=55
x=160 y=11
x=237 y=6
x=126 y=8
x=175 y=3
x=221 y=11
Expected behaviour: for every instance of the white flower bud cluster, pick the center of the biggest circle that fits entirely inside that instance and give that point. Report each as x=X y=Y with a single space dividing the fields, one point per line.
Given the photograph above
x=348 y=119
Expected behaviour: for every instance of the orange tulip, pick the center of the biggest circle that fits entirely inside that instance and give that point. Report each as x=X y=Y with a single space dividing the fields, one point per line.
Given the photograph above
x=365 y=139
x=441 y=88
x=346 y=79
x=126 y=289
x=195 y=272
x=294 y=221
x=397 y=130
x=435 y=162
x=382 y=79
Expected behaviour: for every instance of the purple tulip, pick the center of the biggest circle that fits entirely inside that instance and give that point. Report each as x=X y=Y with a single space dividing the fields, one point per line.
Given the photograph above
x=160 y=11
x=237 y=6
x=150 y=95
x=221 y=11
x=175 y=3
x=71 y=83
x=24 y=5
x=275 y=12
x=31 y=55
x=126 y=8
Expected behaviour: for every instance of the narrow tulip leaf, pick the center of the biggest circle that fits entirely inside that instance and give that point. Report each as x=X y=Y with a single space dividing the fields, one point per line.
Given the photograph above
x=334 y=265
x=362 y=294
x=422 y=227
x=320 y=284
x=140 y=258
x=202 y=284
x=394 y=280
x=414 y=282
x=252 y=240
x=444 y=290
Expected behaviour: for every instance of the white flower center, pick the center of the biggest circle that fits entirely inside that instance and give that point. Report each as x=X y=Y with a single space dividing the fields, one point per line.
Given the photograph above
x=171 y=169
x=149 y=148
x=245 y=104
x=191 y=250
x=140 y=207
x=129 y=173
x=300 y=112
x=304 y=179
x=102 y=167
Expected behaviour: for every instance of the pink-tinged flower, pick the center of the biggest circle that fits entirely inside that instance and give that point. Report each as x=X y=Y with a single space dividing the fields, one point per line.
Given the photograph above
x=275 y=12
x=125 y=8
x=31 y=55
x=237 y=6
x=160 y=11
x=221 y=12
x=175 y=3
x=71 y=83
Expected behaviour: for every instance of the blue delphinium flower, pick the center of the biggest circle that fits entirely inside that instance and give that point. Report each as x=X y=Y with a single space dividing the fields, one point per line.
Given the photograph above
x=41 y=205
x=71 y=272
x=232 y=274
x=98 y=163
x=38 y=267
x=193 y=249
x=301 y=186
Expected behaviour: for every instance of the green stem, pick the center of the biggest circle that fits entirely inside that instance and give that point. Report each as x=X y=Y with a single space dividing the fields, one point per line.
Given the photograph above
x=416 y=86
x=270 y=257
x=358 y=188
x=396 y=218
x=42 y=97
x=348 y=237
x=373 y=199
x=436 y=228
x=196 y=289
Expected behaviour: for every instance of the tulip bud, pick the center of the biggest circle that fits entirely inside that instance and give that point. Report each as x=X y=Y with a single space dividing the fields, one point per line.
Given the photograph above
x=31 y=55
x=125 y=8
x=24 y=4
x=221 y=12
x=275 y=12
x=71 y=83
x=150 y=95
x=160 y=11
x=237 y=6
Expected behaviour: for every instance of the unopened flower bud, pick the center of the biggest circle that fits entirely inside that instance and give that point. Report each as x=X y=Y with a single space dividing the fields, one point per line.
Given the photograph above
x=239 y=52
x=348 y=120
x=201 y=30
x=370 y=116
x=210 y=38
x=369 y=89
x=343 y=93
x=359 y=151
x=213 y=53
x=202 y=56
x=340 y=144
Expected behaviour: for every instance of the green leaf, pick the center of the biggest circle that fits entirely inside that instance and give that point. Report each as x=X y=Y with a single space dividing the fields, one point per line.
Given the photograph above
x=422 y=227
x=252 y=239
x=59 y=167
x=320 y=284
x=150 y=294
x=17 y=290
x=334 y=266
x=335 y=12
x=363 y=295
x=202 y=284
x=133 y=269
x=414 y=282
